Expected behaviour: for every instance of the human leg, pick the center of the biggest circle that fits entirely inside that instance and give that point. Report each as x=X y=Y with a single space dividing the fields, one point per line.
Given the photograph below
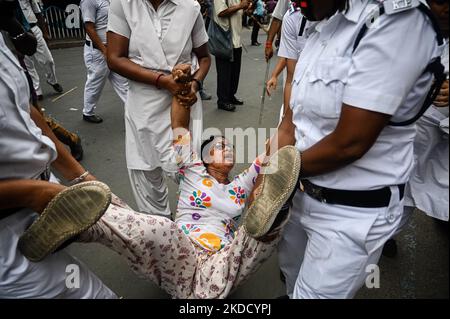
x=154 y=247
x=97 y=72
x=44 y=57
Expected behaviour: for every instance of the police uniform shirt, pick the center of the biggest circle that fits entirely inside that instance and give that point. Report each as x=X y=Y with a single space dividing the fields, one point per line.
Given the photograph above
x=292 y=35
x=29 y=8
x=384 y=74
x=280 y=9
x=96 y=11
x=24 y=152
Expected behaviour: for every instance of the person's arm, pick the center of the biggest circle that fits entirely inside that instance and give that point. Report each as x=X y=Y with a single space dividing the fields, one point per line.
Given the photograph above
x=204 y=60
x=275 y=26
x=442 y=98
x=93 y=35
x=65 y=164
x=42 y=24
x=290 y=66
x=233 y=9
x=89 y=10
x=372 y=94
x=23 y=193
x=118 y=61
x=24 y=42
x=356 y=132
x=272 y=83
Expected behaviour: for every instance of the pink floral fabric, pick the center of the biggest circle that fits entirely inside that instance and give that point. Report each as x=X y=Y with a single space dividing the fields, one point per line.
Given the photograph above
x=157 y=249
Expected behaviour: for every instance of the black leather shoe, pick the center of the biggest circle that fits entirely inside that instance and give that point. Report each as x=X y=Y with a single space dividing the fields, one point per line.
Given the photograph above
x=77 y=150
x=57 y=87
x=236 y=101
x=40 y=97
x=226 y=107
x=92 y=118
x=256 y=44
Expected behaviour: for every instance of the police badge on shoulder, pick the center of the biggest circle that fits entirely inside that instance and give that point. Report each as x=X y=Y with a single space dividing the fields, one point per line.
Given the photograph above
x=396 y=6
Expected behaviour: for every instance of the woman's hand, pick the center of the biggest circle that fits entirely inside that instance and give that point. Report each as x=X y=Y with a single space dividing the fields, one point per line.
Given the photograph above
x=189 y=99
x=442 y=98
x=271 y=85
x=244 y=4
x=175 y=88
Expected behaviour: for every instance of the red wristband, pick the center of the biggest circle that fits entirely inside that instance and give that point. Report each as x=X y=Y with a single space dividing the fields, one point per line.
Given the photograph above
x=268 y=44
x=157 y=80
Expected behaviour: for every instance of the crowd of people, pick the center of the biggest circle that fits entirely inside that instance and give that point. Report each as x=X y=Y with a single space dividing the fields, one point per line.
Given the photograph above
x=362 y=140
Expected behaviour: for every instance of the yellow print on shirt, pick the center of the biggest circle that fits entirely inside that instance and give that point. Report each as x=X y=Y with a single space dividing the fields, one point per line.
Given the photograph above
x=210 y=241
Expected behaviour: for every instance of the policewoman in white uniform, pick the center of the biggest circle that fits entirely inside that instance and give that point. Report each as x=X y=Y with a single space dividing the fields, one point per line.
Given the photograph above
x=354 y=163
x=146 y=39
x=25 y=154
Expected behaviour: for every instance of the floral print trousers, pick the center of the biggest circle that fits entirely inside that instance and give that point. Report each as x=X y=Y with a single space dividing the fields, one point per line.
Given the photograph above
x=158 y=250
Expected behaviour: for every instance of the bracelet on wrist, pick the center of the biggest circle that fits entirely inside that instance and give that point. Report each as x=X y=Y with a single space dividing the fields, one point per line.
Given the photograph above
x=17 y=37
x=79 y=179
x=268 y=44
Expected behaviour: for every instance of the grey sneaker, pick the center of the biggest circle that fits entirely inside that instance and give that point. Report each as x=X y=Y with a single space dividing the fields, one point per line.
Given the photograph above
x=68 y=214
x=275 y=189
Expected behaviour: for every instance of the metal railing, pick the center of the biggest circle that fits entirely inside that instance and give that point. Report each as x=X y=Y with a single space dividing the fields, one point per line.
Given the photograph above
x=65 y=24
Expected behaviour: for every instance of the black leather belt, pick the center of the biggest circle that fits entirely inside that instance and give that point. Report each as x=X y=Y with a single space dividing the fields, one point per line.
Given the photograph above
x=366 y=199
x=88 y=43
x=32 y=25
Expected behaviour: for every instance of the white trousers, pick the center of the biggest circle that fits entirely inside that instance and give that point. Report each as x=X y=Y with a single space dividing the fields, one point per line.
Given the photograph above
x=44 y=57
x=97 y=74
x=57 y=276
x=326 y=249
x=150 y=191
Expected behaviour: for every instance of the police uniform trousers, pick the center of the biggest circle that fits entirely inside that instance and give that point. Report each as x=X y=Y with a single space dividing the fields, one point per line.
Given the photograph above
x=326 y=251
x=97 y=74
x=44 y=57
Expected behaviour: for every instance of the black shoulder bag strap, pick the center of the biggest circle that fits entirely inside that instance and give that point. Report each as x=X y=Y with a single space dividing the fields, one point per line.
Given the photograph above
x=302 y=27
x=435 y=67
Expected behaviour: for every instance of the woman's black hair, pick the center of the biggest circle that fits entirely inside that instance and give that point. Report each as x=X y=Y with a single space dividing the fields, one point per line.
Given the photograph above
x=206 y=143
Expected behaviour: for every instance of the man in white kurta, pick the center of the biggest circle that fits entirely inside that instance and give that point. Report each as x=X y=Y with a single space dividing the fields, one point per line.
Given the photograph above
x=158 y=40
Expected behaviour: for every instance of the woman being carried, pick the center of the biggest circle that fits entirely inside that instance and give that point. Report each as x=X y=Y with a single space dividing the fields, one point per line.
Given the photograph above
x=204 y=253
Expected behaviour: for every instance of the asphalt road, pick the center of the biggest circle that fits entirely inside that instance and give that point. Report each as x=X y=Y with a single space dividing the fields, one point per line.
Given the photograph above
x=420 y=270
